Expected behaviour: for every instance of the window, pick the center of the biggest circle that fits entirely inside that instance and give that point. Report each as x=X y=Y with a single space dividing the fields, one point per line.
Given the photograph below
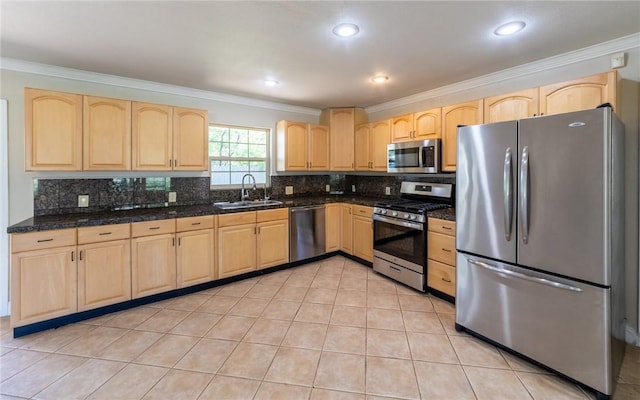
x=235 y=151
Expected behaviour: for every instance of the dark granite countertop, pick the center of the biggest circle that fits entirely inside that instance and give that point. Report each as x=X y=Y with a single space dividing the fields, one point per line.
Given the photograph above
x=448 y=214
x=63 y=221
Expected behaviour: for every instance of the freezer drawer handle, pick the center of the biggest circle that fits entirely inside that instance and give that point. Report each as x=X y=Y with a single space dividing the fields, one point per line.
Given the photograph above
x=508 y=194
x=525 y=277
x=524 y=195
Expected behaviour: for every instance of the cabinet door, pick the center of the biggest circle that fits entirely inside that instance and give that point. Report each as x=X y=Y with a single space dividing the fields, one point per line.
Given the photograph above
x=53 y=131
x=579 y=94
x=43 y=285
x=104 y=274
x=236 y=250
x=346 y=236
x=190 y=139
x=512 y=106
x=363 y=238
x=151 y=142
x=402 y=128
x=427 y=124
x=106 y=134
x=318 y=154
x=296 y=145
x=195 y=257
x=273 y=243
x=342 y=140
x=460 y=114
x=380 y=136
x=332 y=213
x=362 y=147
x=153 y=265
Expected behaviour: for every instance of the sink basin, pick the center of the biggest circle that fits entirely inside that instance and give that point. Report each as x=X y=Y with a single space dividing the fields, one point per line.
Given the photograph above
x=232 y=205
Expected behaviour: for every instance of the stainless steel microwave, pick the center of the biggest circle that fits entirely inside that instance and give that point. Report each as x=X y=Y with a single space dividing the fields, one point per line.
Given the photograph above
x=421 y=157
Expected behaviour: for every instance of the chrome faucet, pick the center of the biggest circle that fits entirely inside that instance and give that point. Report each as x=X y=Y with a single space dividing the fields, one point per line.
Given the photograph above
x=243 y=194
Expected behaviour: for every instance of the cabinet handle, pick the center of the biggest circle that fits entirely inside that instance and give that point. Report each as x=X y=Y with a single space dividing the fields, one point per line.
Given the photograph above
x=446 y=250
x=104 y=233
x=179 y=241
x=45 y=240
x=153 y=228
x=195 y=223
x=446 y=228
x=446 y=280
x=258 y=230
x=175 y=162
x=72 y=255
x=173 y=242
x=170 y=162
x=80 y=255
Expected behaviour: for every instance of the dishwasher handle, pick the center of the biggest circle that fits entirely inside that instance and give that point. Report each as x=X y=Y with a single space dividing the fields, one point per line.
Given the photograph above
x=305 y=208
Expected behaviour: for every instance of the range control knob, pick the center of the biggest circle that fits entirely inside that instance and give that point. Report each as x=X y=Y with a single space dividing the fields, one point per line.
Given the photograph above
x=383 y=211
x=406 y=215
x=395 y=214
x=412 y=216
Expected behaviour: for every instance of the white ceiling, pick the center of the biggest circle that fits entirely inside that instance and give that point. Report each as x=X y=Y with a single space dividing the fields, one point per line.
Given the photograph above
x=230 y=47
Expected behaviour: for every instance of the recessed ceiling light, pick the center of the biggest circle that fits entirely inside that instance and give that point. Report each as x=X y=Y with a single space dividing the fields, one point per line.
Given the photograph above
x=509 y=28
x=379 y=79
x=345 y=30
x=271 y=82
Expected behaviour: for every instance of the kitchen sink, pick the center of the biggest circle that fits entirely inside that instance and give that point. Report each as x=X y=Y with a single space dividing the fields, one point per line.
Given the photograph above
x=232 y=205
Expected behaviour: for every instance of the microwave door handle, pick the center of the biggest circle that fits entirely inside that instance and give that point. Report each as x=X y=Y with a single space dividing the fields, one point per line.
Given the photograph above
x=507 y=188
x=421 y=156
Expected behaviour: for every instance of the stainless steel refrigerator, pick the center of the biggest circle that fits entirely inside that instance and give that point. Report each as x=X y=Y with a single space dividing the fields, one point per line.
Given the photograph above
x=540 y=236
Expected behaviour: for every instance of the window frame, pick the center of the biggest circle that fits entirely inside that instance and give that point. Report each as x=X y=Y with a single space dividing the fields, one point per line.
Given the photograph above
x=267 y=159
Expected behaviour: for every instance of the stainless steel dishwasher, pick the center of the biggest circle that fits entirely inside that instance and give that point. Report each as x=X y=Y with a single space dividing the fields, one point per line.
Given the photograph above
x=306 y=232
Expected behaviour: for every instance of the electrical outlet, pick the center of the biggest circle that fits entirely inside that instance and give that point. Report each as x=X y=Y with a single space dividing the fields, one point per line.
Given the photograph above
x=83 y=200
x=353 y=188
x=387 y=190
x=172 y=197
x=288 y=190
x=327 y=188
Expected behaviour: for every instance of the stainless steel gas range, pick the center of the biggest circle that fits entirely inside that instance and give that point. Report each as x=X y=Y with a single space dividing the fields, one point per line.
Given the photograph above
x=400 y=231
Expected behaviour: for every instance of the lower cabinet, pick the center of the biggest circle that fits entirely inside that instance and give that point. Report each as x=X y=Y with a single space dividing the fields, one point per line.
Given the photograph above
x=153 y=260
x=195 y=258
x=346 y=236
x=363 y=232
x=332 y=226
x=43 y=276
x=104 y=266
x=441 y=247
x=272 y=237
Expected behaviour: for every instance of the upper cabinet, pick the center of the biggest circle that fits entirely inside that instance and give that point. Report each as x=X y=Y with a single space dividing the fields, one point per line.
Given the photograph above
x=53 y=131
x=107 y=134
x=469 y=113
x=579 y=94
x=371 y=142
x=342 y=123
x=301 y=146
x=512 y=106
x=190 y=139
x=417 y=126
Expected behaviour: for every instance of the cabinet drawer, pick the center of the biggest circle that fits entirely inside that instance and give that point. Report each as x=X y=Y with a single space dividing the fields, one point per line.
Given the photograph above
x=149 y=228
x=104 y=233
x=441 y=248
x=442 y=226
x=273 y=215
x=441 y=277
x=194 y=223
x=42 y=240
x=362 y=211
x=240 y=218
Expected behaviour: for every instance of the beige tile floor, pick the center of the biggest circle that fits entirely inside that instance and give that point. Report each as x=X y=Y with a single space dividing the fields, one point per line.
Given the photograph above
x=327 y=330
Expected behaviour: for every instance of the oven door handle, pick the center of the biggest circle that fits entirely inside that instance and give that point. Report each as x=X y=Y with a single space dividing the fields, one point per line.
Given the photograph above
x=393 y=221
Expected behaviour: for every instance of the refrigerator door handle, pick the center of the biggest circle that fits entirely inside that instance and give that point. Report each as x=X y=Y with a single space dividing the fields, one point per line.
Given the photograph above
x=522 y=276
x=524 y=195
x=507 y=189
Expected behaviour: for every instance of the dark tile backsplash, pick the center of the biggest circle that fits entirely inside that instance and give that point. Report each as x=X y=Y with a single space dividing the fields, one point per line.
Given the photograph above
x=60 y=196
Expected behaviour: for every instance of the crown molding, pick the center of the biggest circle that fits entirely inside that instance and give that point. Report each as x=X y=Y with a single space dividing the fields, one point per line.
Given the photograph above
x=13 y=64
x=588 y=53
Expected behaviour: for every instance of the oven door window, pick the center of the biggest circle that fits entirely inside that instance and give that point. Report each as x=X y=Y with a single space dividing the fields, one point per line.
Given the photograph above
x=404 y=158
x=406 y=243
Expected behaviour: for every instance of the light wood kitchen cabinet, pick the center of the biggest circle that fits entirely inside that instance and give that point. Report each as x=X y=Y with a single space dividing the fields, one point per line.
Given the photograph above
x=422 y=125
x=104 y=265
x=53 y=130
x=342 y=123
x=332 y=226
x=363 y=232
x=165 y=138
x=195 y=258
x=272 y=237
x=106 y=134
x=579 y=94
x=511 y=106
x=153 y=257
x=469 y=113
x=301 y=146
x=441 y=250
x=236 y=243
x=371 y=142
x=346 y=223
x=43 y=276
